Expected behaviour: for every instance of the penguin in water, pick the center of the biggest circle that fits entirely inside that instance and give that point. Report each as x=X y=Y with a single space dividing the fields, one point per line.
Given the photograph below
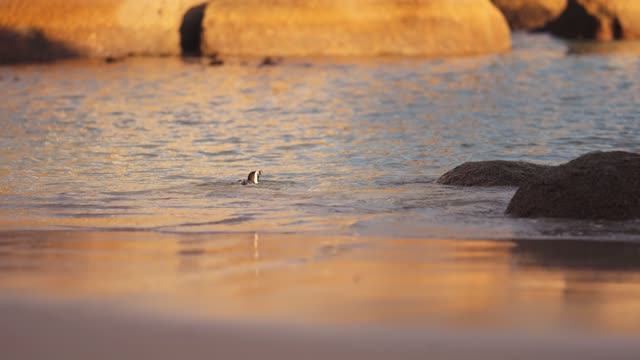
x=253 y=178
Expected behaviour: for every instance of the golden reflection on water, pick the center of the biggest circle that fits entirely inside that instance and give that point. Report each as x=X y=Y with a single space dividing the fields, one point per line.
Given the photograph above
x=514 y=284
x=347 y=143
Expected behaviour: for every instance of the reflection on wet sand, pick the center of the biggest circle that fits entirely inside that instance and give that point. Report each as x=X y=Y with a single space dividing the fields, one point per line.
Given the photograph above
x=534 y=285
x=604 y=48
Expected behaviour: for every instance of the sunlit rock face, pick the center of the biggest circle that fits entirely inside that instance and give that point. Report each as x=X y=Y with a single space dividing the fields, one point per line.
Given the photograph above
x=46 y=30
x=353 y=28
x=492 y=173
x=599 y=20
x=50 y=29
x=530 y=14
x=598 y=185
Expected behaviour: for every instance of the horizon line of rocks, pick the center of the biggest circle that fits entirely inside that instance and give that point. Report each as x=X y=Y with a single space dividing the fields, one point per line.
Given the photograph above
x=47 y=30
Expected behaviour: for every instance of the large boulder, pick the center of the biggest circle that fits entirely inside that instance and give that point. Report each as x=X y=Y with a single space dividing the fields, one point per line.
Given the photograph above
x=530 y=14
x=598 y=20
x=50 y=29
x=492 y=173
x=598 y=185
x=289 y=28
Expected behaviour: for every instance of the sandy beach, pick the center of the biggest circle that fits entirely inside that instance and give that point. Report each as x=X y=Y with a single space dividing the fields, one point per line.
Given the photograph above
x=131 y=295
x=99 y=331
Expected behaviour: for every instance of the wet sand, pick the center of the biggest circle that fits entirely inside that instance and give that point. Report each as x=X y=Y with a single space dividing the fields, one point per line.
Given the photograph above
x=79 y=294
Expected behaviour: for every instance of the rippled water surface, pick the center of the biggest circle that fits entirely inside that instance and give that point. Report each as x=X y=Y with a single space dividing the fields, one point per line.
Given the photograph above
x=349 y=147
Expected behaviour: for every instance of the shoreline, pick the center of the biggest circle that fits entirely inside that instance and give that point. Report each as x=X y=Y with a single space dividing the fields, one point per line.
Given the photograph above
x=319 y=234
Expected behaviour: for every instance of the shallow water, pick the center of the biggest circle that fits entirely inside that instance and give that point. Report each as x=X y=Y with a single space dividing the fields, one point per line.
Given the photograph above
x=348 y=147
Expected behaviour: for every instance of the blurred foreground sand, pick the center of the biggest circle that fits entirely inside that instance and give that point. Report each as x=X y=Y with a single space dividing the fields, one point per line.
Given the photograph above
x=70 y=331
x=151 y=295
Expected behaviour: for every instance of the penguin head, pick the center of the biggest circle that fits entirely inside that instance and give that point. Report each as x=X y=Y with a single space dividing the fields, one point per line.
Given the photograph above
x=254 y=176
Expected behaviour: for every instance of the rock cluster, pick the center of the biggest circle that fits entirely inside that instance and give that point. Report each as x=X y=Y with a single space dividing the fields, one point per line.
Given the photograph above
x=42 y=30
x=597 y=185
x=117 y=28
x=601 y=20
x=598 y=20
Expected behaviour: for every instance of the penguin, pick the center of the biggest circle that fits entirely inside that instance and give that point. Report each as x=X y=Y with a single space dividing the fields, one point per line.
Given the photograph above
x=253 y=178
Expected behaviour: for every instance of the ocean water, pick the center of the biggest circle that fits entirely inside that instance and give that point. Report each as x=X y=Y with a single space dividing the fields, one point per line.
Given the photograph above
x=119 y=183
x=346 y=146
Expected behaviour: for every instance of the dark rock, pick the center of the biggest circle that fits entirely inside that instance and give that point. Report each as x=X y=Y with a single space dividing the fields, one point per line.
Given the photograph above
x=492 y=173
x=598 y=185
x=269 y=61
x=215 y=61
x=28 y=44
x=598 y=20
x=113 y=59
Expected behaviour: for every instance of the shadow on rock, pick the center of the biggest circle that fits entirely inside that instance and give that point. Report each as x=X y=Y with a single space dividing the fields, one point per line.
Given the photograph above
x=602 y=20
x=191 y=30
x=31 y=45
x=530 y=14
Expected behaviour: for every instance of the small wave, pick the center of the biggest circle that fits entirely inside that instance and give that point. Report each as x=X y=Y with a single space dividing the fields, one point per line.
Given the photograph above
x=126 y=193
x=266 y=184
x=101 y=214
x=296 y=146
x=188 y=122
x=71 y=206
x=145 y=155
x=219 y=153
x=402 y=182
x=227 y=221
